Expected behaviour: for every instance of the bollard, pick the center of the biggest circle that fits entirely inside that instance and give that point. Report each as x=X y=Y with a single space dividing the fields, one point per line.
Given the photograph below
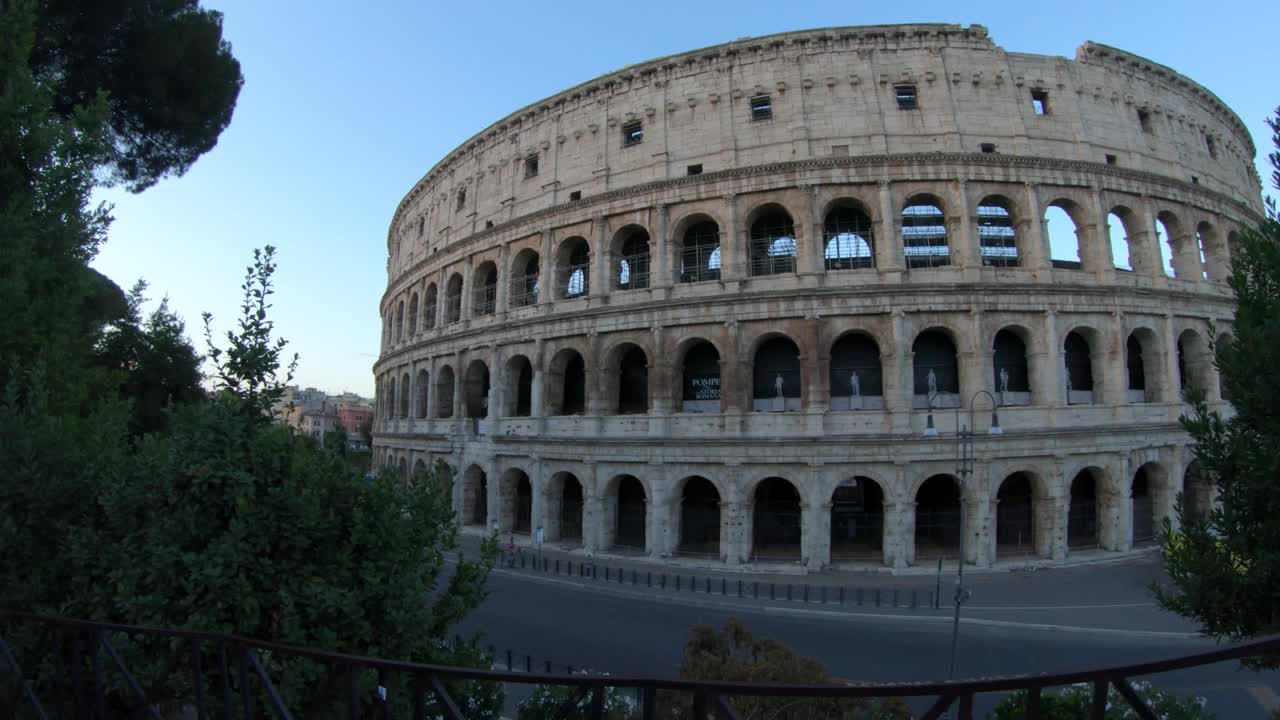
x=633 y=577
x=806 y=592
x=877 y=597
x=824 y=594
x=548 y=667
x=664 y=581
x=522 y=561
x=557 y=566
x=771 y=596
x=722 y=584
x=842 y=595
x=606 y=573
x=509 y=668
x=755 y=588
x=895 y=597
x=648 y=578
x=913 y=598
x=739 y=588
x=788 y=591
x=678 y=581
x=693 y=584
x=708 y=591
x=528 y=663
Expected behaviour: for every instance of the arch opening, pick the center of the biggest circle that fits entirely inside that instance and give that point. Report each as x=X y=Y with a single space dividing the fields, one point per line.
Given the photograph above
x=453 y=300
x=699 y=518
x=1079 y=369
x=475 y=497
x=476 y=390
x=633 y=262
x=924 y=233
x=773 y=242
x=776 y=376
x=1015 y=517
x=525 y=273
x=1165 y=239
x=444 y=392
x=700 y=379
x=519 y=387
x=775 y=521
x=857 y=520
x=1011 y=377
x=997 y=239
x=574 y=268
x=484 y=300
x=935 y=369
x=938 y=518
x=515 y=502
x=413 y=315
x=1118 y=238
x=1065 y=246
x=403 y=411
x=856 y=381
x=430 y=308
x=1082 y=513
x=423 y=385
x=633 y=382
x=1195 y=365
x=1144 y=528
x=563 y=516
x=1138 y=388
x=566 y=391
x=629 y=515
x=847 y=238
x=700 y=252
x=400 y=321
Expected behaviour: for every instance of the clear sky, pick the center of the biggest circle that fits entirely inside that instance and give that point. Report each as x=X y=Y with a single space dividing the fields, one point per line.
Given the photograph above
x=346 y=105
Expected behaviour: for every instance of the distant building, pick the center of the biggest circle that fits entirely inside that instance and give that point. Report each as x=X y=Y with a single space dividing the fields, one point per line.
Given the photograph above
x=352 y=415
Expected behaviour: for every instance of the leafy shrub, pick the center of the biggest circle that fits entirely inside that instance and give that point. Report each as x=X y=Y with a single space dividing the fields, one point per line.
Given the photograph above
x=1072 y=703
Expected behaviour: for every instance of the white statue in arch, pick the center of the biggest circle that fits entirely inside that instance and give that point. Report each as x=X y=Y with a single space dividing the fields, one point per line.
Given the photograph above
x=1004 y=380
x=777 y=384
x=855 y=385
x=932 y=380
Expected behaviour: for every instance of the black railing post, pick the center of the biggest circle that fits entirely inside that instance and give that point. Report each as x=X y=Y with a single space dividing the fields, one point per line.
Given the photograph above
x=197 y=678
x=1032 y=706
x=699 y=705
x=648 y=702
x=1098 y=705
x=246 y=695
x=966 y=706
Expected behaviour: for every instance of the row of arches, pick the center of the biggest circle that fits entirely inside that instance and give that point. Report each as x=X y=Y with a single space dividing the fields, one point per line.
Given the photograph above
x=855 y=377
x=698 y=518
x=773 y=244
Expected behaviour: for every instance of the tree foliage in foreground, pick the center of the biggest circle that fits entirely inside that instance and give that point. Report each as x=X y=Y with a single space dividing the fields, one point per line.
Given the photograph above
x=1224 y=564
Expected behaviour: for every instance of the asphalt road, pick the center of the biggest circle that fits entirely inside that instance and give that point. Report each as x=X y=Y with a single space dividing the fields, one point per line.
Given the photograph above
x=607 y=630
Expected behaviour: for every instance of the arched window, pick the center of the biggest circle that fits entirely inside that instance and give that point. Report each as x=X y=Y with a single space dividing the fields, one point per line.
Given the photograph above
x=391 y=398
x=857 y=520
x=776 y=376
x=633 y=382
x=453 y=300
x=1079 y=366
x=485 y=295
x=1064 y=235
x=444 y=392
x=629 y=513
x=565 y=501
x=1009 y=365
x=1015 y=517
x=1165 y=239
x=515 y=502
x=476 y=389
x=424 y=385
x=937 y=518
x=996 y=236
x=400 y=321
x=404 y=396
x=924 y=233
x=934 y=370
x=776 y=523
x=1082 y=514
x=773 y=243
x=1137 y=370
x=700 y=379
x=699 y=510
x=519 y=387
x=1143 y=506
x=430 y=308
x=574 y=268
x=566 y=389
x=524 y=279
x=475 y=497
x=1194 y=362
x=847 y=239
x=413 y=315
x=1118 y=237
x=855 y=381
x=700 y=252
x=633 y=264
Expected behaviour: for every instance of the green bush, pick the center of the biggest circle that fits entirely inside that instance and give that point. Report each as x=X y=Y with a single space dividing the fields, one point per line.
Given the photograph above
x=1072 y=703
x=561 y=702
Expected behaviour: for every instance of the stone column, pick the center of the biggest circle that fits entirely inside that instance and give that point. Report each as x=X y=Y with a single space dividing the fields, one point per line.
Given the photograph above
x=600 y=276
x=540 y=510
x=1116 y=387
x=979 y=525
x=1144 y=245
x=492 y=497
x=965 y=240
x=660 y=275
x=468 y=289
x=1171 y=358
x=1102 y=264
x=976 y=360
x=1051 y=389
x=1054 y=517
x=504 y=281
x=732 y=542
x=497 y=391
x=816 y=382
x=812 y=260
x=732 y=255
x=459 y=401
x=546 y=272
x=1037 y=246
x=662 y=537
x=1186 y=258
x=888 y=249
x=592 y=510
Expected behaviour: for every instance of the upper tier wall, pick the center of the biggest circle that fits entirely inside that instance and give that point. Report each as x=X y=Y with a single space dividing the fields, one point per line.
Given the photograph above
x=832 y=93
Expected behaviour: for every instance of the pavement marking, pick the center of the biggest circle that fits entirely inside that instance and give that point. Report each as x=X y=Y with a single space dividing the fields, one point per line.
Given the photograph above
x=1058 y=607
x=621 y=591
x=1264 y=696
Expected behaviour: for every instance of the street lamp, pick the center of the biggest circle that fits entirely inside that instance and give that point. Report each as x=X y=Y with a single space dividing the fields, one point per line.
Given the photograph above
x=964 y=468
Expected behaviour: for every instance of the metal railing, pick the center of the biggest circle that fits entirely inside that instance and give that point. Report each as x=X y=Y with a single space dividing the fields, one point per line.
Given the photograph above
x=234 y=676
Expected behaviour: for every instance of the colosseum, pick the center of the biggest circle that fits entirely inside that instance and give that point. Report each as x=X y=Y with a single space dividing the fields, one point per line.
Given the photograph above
x=745 y=304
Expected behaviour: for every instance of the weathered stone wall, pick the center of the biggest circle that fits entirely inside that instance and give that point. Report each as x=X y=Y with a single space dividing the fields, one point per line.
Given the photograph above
x=836 y=138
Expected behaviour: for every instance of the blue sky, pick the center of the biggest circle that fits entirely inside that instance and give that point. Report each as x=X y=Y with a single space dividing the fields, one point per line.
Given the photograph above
x=346 y=105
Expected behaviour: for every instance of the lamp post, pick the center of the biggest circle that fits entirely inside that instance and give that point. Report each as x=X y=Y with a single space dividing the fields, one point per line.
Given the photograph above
x=964 y=468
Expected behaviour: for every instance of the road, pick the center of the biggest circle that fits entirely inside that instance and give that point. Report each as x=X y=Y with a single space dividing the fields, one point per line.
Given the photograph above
x=622 y=631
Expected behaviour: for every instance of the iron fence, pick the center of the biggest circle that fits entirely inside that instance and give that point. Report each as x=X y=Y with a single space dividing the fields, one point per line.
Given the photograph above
x=73 y=671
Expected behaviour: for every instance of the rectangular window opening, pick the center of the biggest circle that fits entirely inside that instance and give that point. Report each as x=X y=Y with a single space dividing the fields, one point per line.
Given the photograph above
x=840 y=151
x=1111 y=159
x=694 y=169
x=575 y=196
x=1195 y=180
x=632 y=133
x=761 y=108
x=988 y=148
x=531 y=166
x=1213 y=149
x=1144 y=119
x=488 y=224
x=906 y=95
x=1040 y=101
x=462 y=198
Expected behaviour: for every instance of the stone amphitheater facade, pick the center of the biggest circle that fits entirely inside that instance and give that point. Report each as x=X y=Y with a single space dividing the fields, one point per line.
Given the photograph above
x=710 y=304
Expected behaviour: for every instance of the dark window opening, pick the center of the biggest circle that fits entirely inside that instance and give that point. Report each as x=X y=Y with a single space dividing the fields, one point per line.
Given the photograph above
x=1040 y=101
x=462 y=198
x=935 y=356
x=632 y=133
x=701 y=378
x=633 y=383
x=776 y=376
x=699 y=518
x=906 y=95
x=531 y=166
x=857 y=520
x=488 y=224
x=694 y=169
x=996 y=236
x=1195 y=180
x=575 y=196
x=1009 y=365
x=1134 y=364
x=848 y=239
x=855 y=369
x=988 y=148
x=1213 y=149
x=773 y=244
x=1079 y=364
x=700 y=253
x=1111 y=159
x=924 y=235
x=761 y=108
x=573 y=398
x=776 y=520
x=1144 y=119
x=633 y=267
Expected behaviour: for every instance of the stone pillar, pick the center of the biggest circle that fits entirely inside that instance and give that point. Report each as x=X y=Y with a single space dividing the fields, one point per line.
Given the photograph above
x=1052 y=388
x=1186 y=258
x=600 y=275
x=812 y=260
x=1116 y=387
x=976 y=360
x=733 y=544
x=1171 y=358
x=1053 y=517
x=661 y=275
x=662 y=536
x=732 y=255
x=735 y=398
x=540 y=510
x=979 y=526
x=468 y=289
x=504 y=282
x=816 y=383
x=546 y=272
x=497 y=391
x=459 y=401
x=593 y=529
x=888 y=249
x=1144 y=245
x=1037 y=246
x=493 y=481
x=964 y=240
x=811 y=523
